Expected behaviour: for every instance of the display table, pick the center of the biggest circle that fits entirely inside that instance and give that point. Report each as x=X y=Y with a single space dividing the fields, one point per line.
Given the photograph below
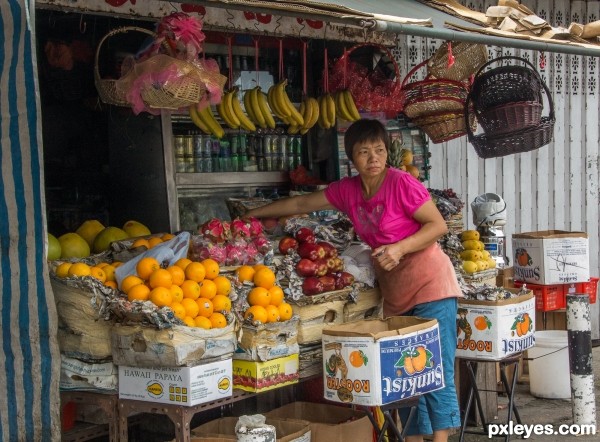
x=509 y=388
x=389 y=421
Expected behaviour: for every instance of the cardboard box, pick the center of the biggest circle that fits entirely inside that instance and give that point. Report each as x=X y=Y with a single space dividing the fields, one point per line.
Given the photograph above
x=286 y=430
x=259 y=376
x=268 y=341
x=177 y=385
x=86 y=376
x=551 y=257
x=489 y=330
x=377 y=361
x=331 y=423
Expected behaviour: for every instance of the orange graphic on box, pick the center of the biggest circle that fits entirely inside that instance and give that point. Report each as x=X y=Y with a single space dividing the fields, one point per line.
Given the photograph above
x=414 y=360
x=522 y=325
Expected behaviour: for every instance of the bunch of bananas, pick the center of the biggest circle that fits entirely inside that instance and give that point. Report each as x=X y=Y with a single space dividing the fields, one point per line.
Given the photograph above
x=230 y=110
x=257 y=108
x=326 y=111
x=345 y=106
x=205 y=120
x=309 y=109
x=282 y=106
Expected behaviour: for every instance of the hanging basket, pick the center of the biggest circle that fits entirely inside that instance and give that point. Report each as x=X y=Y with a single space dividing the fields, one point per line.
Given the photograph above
x=445 y=126
x=468 y=58
x=107 y=89
x=432 y=96
x=371 y=89
x=510 y=117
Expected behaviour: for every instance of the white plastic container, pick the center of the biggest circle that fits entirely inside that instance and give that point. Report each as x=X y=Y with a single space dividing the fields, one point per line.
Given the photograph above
x=549 y=374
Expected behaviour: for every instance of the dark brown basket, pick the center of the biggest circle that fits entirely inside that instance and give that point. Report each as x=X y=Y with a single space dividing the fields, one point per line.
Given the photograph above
x=506 y=84
x=445 y=126
x=510 y=117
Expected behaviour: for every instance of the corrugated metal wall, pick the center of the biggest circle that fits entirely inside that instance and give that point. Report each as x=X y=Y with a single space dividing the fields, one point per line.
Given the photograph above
x=555 y=187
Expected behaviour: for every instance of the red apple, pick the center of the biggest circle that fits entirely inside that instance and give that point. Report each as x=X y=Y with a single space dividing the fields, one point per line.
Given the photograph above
x=306 y=267
x=328 y=283
x=321 y=266
x=310 y=251
x=312 y=286
x=339 y=264
x=269 y=223
x=304 y=234
x=330 y=250
x=343 y=279
x=287 y=243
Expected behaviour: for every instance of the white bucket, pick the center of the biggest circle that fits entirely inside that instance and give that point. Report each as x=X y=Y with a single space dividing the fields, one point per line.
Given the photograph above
x=549 y=373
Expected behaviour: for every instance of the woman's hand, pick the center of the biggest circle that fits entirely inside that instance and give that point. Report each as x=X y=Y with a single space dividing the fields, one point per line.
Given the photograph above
x=388 y=256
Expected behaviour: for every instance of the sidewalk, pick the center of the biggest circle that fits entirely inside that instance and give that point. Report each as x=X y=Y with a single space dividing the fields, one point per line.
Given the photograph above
x=543 y=411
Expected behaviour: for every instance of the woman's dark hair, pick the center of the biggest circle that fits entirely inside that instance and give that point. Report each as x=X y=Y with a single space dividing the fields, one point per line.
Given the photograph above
x=365 y=130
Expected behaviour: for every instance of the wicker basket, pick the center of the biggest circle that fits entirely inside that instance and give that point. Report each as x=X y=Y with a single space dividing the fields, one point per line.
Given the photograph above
x=510 y=117
x=445 y=126
x=107 y=89
x=506 y=84
x=468 y=58
x=432 y=96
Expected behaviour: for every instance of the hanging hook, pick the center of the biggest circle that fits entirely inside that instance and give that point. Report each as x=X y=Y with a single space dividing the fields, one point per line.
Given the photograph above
x=82 y=25
x=301 y=29
x=277 y=23
x=230 y=18
x=174 y=7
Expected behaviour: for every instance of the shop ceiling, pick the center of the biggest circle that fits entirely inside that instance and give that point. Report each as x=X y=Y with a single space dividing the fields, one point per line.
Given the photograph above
x=378 y=20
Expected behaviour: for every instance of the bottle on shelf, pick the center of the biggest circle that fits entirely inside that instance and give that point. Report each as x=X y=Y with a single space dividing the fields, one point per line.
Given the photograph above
x=275 y=195
x=259 y=194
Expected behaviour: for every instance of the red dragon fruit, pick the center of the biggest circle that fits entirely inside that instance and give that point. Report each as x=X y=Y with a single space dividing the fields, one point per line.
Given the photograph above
x=240 y=229
x=262 y=244
x=256 y=227
x=215 y=230
x=235 y=253
x=218 y=253
x=251 y=254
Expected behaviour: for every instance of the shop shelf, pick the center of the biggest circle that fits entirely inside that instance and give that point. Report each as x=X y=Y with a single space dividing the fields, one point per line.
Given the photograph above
x=547 y=297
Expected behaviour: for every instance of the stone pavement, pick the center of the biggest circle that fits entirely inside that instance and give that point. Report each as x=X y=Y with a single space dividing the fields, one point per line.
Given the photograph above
x=544 y=411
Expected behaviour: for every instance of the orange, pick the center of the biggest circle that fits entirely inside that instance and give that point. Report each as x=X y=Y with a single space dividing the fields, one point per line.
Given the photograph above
x=221 y=303
x=195 y=271
x=146 y=266
x=264 y=278
x=178 y=309
x=257 y=267
x=189 y=321
x=190 y=289
x=116 y=264
x=140 y=292
x=182 y=262
x=205 y=307
x=176 y=293
x=154 y=241
x=62 y=271
x=259 y=296
x=167 y=237
x=79 y=269
x=244 y=273
x=130 y=281
x=223 y=285
x=109 y=271
x=140 y=242
x=177 y=274
x=111 y=284
x=203 y=322
x=160 y=278
x=212 y=268
x=257 y=313
x=208 y=289
x=190 y=306
x=277 y=295
x=218 y=320
x=161 y=296
x=98 y=273
x=272 y=313
x=102 y=265
x=285 y=311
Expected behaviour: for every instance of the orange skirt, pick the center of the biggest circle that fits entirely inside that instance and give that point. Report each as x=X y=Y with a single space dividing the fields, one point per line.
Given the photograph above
x=423 y=276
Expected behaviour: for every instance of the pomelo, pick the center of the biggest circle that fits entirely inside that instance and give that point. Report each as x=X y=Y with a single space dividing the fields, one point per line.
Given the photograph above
x=54 y=248
x=106 y=236
x=89 y=229
x=134 y=229
x=73 y=246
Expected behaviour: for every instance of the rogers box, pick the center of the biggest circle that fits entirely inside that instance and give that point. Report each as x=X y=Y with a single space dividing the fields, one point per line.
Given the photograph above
x=492 y=330
x=551 y=257
x=378 y=361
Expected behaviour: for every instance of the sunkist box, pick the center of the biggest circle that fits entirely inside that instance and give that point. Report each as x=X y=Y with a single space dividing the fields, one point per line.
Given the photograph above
x=259 y=376
x=551 y=257
x=177 y=385
x=378 y=361
x=493 y=330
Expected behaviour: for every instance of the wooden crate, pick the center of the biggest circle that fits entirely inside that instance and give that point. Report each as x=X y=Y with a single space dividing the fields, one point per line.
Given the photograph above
x=367 y=305
x=313 y=317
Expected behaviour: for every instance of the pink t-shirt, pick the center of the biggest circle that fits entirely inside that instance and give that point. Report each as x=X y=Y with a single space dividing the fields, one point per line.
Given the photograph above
x=387 y=217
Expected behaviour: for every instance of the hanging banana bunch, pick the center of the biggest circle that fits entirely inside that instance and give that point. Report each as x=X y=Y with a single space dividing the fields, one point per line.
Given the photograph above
x=257 y=108
x=230 y=111
x=345 y=106
x=205 y=121
x=282 y=106
x=326 y=111
x=309 y=108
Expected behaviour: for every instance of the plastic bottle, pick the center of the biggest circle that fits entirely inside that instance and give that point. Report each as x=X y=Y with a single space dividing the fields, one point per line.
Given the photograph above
x=259 y=194
x=275 y=195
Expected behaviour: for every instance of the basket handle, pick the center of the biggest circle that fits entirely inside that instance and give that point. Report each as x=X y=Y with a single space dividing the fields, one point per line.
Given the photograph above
x=384 y=49
x=412 y=71
x=122 y=30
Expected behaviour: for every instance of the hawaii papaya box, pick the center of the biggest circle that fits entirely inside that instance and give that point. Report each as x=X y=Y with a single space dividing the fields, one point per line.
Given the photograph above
x=378 y=361
x=186 y=386
x=493 y=330
x=551 y=257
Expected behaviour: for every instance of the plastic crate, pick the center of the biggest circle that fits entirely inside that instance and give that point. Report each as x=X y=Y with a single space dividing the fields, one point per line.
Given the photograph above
x=547 y=297
x=590 y=287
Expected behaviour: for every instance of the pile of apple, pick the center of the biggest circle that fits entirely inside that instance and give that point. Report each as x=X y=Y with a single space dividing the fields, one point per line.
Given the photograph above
x=319 y=264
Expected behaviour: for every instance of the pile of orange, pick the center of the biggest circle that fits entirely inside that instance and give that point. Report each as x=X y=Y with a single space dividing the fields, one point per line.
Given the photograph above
x=152 y=241
x=266 y=299
x=194 y=290
x=103 y=272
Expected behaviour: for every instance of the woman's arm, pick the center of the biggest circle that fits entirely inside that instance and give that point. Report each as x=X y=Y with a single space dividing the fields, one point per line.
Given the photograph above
x=310 y=202
x=433 y=227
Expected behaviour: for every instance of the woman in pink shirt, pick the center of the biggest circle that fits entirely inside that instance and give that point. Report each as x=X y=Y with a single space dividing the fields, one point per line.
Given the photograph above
x=393 y=213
